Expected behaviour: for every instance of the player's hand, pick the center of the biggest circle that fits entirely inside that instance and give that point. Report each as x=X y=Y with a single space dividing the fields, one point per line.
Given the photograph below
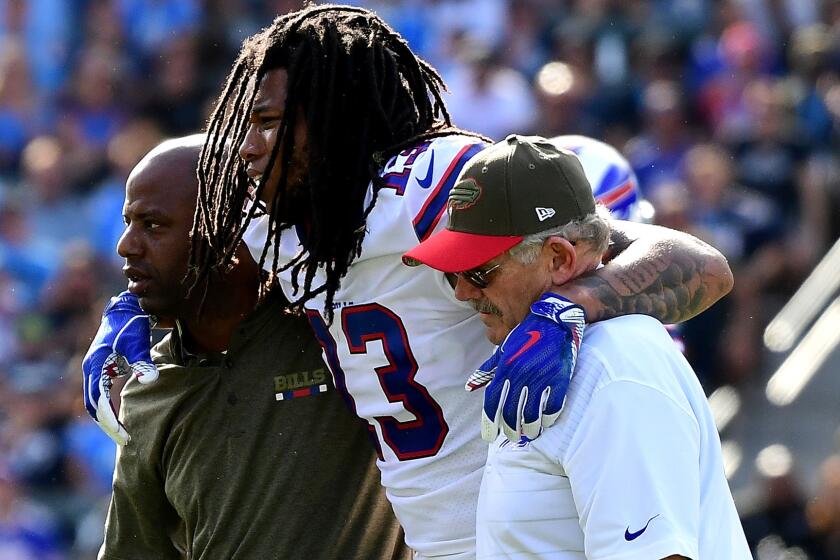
x=528 y=374
x=121 y=346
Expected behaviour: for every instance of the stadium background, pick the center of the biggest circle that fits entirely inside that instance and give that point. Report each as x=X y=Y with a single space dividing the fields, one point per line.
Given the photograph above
x=728 y=110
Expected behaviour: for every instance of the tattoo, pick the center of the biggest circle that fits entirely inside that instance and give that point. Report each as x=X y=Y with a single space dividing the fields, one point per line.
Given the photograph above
x=671 y=288
x=670 y=276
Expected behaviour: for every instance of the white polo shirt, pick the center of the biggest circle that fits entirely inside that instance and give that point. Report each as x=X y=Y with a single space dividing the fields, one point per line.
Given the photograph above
x=632 y=470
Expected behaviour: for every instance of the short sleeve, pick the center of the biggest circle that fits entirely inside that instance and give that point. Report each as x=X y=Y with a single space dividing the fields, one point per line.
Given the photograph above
x=634 y=467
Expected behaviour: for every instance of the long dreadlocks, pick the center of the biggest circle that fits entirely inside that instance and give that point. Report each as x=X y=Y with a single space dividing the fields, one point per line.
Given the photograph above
x=364 y=96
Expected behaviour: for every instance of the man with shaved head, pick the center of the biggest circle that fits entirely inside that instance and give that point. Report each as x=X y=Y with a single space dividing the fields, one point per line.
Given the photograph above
x=238 y=444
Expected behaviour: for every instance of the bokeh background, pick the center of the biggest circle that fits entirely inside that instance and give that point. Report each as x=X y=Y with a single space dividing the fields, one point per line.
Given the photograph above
x=729 y=111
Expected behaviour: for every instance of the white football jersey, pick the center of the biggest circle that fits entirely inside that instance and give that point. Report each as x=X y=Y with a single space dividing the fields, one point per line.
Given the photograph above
x=632 y=469
x=401 y=348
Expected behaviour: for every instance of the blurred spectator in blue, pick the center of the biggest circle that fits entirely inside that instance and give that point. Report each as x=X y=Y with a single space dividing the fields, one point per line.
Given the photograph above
x=703 y=61
x=594 y=39
x=19 y=106
x=67 y=299
x=485 y=87
x=409 y=19
x=771 y=155
x=90 y=454
x=103 y=26
x=612 y=26
x=659 y=56
x=44 y=27
x=456 y=22
x=33 y=333
x=682 y=19
x=672 y=204
x=525 y=36
x=31 y=437
x=103 y=207
x=226 y=23
x=737 y=221
x=27 y=531
x=11 y=305
x=775 y=19
x=571 y=45
x=27 y=257
x=35 y=446
x=92 y=112
x=53 y=210
x=177 y=98
x=745 y=57
x=723 y=345
x=811 y=78
x=562 y=93
x=657 y=153
x=151 y=23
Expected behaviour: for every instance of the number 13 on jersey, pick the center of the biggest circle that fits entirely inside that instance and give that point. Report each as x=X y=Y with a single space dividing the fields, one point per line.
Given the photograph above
x=365 y=325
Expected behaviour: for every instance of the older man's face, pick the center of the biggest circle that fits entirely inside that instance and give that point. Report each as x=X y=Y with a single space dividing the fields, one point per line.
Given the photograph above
x=511 y=289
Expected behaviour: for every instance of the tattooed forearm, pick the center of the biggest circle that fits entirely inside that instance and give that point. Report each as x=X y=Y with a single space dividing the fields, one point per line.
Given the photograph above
x=669 y=291
x=665 y=274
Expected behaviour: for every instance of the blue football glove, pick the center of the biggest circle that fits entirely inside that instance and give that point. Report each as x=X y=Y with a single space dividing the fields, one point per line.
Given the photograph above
x=121 y=346
x=528 y=374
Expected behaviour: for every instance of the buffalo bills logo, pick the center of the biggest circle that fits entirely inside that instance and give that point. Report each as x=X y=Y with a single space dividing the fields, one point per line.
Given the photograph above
x=464 y=194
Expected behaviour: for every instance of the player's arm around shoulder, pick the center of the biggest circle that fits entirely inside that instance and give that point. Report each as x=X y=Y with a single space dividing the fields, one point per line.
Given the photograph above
x=632 y=460
x=669 y=275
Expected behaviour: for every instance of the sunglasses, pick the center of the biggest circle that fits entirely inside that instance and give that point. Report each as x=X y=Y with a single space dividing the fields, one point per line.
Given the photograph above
x=478 y=277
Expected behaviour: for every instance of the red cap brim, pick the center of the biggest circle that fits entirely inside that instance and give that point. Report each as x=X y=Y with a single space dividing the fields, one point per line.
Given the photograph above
x=455 y=251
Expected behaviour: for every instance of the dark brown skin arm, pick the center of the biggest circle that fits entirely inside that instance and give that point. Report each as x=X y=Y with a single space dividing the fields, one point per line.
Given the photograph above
x=652 y=270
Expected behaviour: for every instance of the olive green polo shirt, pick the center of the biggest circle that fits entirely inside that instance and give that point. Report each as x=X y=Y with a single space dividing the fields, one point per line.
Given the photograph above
x=249 y=454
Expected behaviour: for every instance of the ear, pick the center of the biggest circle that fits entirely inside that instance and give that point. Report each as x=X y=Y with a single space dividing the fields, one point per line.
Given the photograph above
x=562 y=258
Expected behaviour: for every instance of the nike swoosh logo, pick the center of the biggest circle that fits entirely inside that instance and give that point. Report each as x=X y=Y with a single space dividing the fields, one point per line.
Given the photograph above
x=426 y=182
x=535 y=336
x=628 y=536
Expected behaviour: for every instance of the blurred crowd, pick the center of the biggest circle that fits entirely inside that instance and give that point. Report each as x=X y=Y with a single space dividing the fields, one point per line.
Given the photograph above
x=729 y=111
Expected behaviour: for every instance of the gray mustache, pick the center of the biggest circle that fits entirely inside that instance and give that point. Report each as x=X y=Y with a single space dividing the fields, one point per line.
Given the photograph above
x=485 y=306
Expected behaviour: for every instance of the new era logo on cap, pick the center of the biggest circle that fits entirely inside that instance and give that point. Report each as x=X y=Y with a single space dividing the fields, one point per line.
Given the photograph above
x=544 y=213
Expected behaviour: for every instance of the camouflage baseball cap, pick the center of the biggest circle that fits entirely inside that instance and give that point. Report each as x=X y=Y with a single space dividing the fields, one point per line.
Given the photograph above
x=517 y=187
